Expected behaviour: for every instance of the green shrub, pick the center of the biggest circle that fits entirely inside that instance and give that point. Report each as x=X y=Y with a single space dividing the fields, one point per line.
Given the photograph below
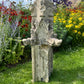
x=25 y=21
x=60 y=29
x=25 y=26
x=11 y=49
x=14 y=51
x=69 y=25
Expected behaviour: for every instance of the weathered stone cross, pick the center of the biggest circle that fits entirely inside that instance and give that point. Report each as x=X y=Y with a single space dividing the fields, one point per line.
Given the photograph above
x=42 y=39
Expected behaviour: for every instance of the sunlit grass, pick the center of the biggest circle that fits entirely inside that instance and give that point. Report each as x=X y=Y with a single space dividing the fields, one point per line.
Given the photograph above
x=68 y=69
x=17 y=75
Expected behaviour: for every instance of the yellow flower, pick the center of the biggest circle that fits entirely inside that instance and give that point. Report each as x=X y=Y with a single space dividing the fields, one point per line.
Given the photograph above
x=75 y=31
x=70 y=18
x=59 y=19
x=77 y=10
x=79 y=32
x=62 y=18
x=55 y=17
x=74 y=22
x=76 y=26
x=67 y=26
x=70 y=25
x=83 y=34
x=80 y=24
x=54 y=21
x=80 y=19
x=72 y=14
x=57 y=14
x=64 y=21
x=70 y=21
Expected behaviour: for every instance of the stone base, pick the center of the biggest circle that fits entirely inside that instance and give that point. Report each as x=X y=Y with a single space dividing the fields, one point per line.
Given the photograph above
x=42 y=62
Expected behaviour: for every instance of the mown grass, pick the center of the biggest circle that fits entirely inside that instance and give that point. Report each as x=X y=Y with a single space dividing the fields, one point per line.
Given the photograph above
x=68 y=69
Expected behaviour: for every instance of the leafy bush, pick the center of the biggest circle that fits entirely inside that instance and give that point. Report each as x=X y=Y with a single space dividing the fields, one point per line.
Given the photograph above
x=16 y=26
x=69 y=25
x=14 y=51
x=60 y=29
x=25 y=23
x=10 y=49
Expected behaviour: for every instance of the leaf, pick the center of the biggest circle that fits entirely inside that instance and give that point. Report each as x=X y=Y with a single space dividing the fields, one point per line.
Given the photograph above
x=68 y=39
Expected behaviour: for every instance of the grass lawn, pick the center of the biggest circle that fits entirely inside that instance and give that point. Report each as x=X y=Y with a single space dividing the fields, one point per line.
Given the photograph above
x=68 y=69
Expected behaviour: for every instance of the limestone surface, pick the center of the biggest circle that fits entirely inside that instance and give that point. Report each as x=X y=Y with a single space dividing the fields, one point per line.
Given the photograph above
x=42 y=39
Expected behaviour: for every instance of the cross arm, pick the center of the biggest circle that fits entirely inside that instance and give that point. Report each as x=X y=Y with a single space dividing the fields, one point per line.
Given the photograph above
x=28 y=41
x=54 y=42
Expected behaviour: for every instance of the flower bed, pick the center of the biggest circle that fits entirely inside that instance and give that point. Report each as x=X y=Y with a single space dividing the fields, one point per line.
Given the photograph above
x=69 y=25
x=15 y=25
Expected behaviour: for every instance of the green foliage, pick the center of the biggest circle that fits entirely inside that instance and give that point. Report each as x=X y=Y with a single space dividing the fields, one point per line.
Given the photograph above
x=60 y=30
x=13 y=51
x=69 y=25
x=4 y=35
x=81 y=4
x=25 y=24
x=62 y=33
x=25 y=21
x=25 y=31
x=27 y=53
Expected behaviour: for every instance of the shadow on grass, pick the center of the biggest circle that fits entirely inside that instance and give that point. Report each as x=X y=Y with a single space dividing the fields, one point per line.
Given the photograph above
x=68 y=76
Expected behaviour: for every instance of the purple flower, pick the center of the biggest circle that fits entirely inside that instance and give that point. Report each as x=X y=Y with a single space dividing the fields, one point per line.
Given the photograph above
x=2 y=2
x=69 y=2
x=54 y=0
x=66 y=2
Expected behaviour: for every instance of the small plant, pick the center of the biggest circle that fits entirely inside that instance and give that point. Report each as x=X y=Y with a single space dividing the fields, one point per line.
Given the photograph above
x=14 y=51
x=4 y=35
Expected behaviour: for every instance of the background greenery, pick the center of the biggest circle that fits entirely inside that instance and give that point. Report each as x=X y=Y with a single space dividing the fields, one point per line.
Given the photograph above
x=69 y=25
x=14 y=26
x=68 y=58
